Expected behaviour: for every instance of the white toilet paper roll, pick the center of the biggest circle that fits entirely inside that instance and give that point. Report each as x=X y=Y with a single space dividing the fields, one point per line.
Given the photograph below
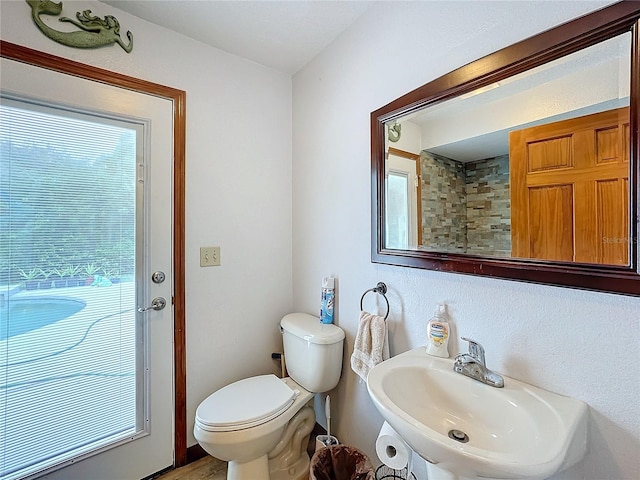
x=391 y=449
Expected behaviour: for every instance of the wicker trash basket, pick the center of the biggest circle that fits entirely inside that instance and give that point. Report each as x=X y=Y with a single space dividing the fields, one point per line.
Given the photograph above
x=340 y=462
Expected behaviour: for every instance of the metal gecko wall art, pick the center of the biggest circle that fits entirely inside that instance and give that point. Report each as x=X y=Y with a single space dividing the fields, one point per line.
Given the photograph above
x=94 y=32
x=394 y=132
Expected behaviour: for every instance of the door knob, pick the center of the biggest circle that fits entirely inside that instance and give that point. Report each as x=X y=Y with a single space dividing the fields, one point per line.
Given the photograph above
x=158 y=277
x=157 y=303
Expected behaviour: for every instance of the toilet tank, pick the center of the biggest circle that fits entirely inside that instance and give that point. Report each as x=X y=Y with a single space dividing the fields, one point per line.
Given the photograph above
x=312 y=351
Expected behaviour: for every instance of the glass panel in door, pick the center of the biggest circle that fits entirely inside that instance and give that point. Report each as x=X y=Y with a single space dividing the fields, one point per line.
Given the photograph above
x=71 y=379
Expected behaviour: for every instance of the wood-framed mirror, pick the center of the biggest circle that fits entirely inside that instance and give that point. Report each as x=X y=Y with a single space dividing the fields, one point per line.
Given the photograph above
x=521 y=165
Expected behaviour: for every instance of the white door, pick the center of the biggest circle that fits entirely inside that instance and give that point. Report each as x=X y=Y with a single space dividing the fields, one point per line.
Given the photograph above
x=401 y=194
x=45 y=403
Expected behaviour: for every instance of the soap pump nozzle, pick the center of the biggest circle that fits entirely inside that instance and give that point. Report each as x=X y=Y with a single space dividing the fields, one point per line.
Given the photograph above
x=441 y=312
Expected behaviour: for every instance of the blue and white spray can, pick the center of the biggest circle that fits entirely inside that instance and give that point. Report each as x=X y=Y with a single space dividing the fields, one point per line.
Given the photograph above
x=327 y=300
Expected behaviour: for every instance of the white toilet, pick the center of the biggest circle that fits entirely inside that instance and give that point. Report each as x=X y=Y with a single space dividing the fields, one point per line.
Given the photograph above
x=261 y=425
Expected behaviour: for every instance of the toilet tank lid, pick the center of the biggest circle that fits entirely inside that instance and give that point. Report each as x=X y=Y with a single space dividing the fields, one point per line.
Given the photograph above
x=309 y=328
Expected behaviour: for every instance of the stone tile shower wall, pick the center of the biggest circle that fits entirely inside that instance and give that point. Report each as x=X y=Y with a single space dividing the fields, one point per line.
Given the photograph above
x=465 y=207
x=443 y=203
x=488 y=207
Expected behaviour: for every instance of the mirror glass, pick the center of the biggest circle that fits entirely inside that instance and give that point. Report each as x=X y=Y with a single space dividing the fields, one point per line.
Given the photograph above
x=534 y=166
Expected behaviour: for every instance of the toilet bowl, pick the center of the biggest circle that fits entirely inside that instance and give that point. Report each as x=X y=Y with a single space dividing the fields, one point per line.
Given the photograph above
x=261 y=425
x=244 y=424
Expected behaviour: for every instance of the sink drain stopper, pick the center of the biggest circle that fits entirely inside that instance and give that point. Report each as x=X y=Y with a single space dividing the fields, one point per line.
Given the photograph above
x=458 y=436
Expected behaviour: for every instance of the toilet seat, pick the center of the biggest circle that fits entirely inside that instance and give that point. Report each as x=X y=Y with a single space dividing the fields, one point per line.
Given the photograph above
x=244 y=404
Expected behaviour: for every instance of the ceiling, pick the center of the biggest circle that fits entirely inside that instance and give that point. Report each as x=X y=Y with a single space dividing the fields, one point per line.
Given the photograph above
x=283 y=35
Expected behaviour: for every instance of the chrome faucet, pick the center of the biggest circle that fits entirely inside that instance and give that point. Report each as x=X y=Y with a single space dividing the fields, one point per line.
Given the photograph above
x=472 y=365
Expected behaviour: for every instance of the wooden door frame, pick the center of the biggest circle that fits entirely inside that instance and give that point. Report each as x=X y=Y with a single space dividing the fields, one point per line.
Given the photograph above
x=179 y=99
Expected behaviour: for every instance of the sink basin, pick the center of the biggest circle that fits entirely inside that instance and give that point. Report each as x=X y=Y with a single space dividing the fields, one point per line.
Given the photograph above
x=519 y=431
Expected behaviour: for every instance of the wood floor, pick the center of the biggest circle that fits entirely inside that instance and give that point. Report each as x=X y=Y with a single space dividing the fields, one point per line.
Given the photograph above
x=207 y=468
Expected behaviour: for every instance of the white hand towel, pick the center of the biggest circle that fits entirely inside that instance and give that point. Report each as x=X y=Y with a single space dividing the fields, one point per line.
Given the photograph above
x=372 y=344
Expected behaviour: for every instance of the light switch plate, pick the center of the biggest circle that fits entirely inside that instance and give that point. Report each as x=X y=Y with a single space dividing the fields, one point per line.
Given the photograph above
x=209 y=256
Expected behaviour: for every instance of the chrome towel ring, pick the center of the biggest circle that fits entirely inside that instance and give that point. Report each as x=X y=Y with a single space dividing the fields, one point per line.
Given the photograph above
x=381 y=289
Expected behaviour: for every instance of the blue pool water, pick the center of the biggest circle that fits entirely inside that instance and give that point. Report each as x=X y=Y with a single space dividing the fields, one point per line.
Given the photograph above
x=27 y=314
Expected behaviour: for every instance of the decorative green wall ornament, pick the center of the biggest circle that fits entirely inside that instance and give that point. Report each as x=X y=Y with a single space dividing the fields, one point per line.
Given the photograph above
x=94 y=32
x=394 y=132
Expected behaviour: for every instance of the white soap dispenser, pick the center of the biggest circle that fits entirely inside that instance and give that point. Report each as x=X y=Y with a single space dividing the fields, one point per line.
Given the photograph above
x=438 y=333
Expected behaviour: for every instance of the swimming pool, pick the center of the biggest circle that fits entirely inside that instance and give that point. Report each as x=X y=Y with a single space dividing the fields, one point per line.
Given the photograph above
x=26 y=314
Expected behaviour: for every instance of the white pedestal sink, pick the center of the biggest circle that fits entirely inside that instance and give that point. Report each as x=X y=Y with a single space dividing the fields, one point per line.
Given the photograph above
x=467 y=429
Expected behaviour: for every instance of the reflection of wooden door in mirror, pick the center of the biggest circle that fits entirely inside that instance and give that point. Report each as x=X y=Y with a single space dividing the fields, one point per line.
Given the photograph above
x=570 y=189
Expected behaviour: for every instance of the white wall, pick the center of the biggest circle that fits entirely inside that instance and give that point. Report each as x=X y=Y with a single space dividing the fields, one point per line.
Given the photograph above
x=572 y=342
x=238 y=188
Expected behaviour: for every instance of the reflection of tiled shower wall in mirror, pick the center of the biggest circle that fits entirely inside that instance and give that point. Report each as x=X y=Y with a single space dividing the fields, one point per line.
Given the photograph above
x=443 y=204
x=488 y=202
x=466 y=207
